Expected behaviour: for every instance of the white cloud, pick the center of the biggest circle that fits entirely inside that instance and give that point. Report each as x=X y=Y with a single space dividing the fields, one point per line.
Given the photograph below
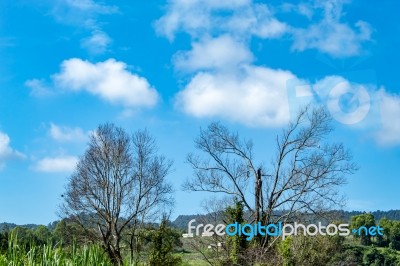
x=331 y=35
x=202 y=17
x=97 y=43
x=224 y=80
x=85 y=14
x=90 y=6
x=244 y=18
x=80 y=12
x=256 y=97
x=6 y=151
x=110 y=80
x=38 y=88
x=257 y=20
x=304 y=9
x=220 y=52
x=67 y=134
x=229 y=86
x=389 y=134
x=193 y=16
x=63 y=164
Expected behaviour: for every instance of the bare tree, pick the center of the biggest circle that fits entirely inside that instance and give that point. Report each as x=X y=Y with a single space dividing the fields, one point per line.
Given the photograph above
x=304 y=176
x=227 y=165
x=119 y=180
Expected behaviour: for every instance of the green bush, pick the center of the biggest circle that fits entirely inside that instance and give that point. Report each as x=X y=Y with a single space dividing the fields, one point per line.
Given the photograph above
x=163 y=241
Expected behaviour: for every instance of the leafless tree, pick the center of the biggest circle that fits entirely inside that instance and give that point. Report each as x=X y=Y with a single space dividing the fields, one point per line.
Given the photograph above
x=305 y=174
x=118 y=181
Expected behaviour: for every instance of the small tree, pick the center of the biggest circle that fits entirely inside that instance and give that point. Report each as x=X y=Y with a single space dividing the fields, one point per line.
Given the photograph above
x=238 y=243
x=118 y=180
x=163 y=241
x=366 y=220
x=68 y=232
x=43 y=234
x=395 y=235
x=391 y=233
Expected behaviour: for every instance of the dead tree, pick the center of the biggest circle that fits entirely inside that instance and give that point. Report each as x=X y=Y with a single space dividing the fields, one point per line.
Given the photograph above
x=119 y=180
x=305 y=174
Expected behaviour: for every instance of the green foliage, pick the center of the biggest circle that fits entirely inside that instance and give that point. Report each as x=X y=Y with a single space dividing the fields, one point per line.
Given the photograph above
x=238 y=244
x=43 y=235
x=366 y=256
x=373 y=257
x=41 y=246
x=3 y=241
x=351 y=256
x=306 y=250
x=367 y=220
x=163 y=241
x=391 y=257
x=391 y=236
x=26 y=237
x=384 y=257
x=285 y=252
x=68 y=232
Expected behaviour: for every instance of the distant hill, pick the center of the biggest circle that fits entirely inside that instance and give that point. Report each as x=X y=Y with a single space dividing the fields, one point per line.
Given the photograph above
x=9 y=226
x=181 y=222
x=391 y=214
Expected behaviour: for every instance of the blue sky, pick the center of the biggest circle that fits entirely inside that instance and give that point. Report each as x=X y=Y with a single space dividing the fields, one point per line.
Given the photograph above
x=174 y=66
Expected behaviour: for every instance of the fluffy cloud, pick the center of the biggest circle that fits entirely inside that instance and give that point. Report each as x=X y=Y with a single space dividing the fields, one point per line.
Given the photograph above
x=226 y=83
x=229 y=86
x=6 y=152
x=66 y=134
x=109 y=80
x=331 y=35
x=257 y=97
x=390 y=110
x=62 y=164
x=97 y=43
x=85 y=14
x=202 y=17
x=192 y=16
x=304 y=9
x=243 y=18
x=257 y=20
x=221 y=52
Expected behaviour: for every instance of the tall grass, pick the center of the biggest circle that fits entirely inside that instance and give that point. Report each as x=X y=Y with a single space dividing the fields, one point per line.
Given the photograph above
x=46 y=255
x=32 y=254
